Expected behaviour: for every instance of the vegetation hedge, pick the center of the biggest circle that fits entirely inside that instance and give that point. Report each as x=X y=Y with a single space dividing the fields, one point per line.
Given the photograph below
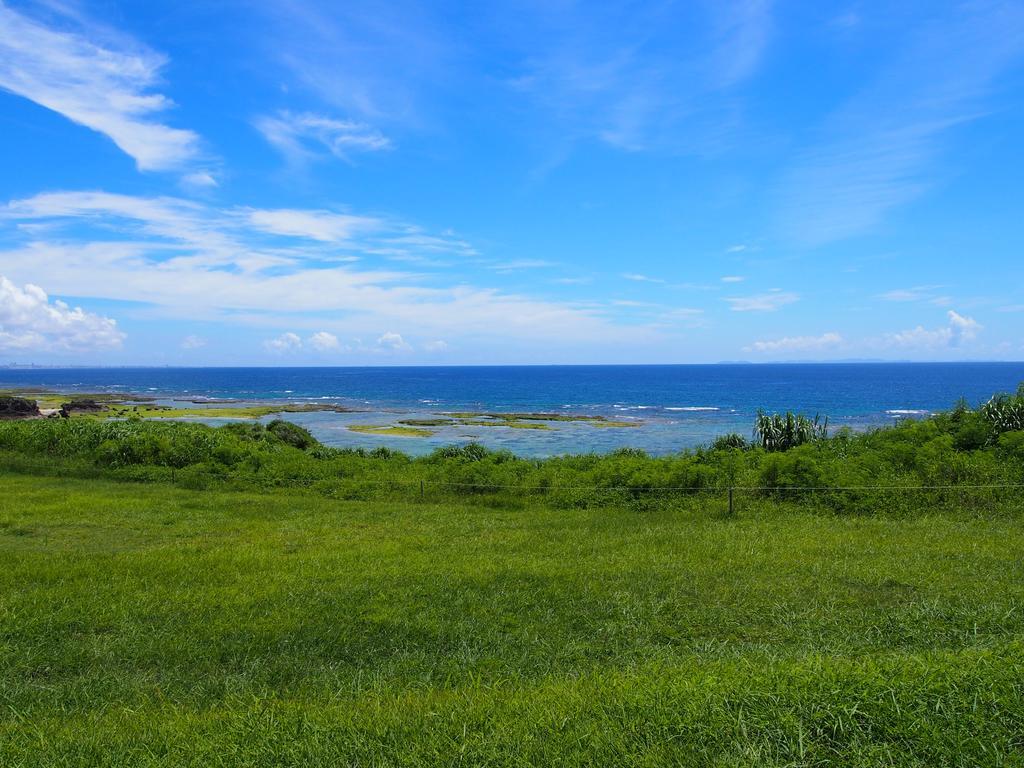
x=948 y=453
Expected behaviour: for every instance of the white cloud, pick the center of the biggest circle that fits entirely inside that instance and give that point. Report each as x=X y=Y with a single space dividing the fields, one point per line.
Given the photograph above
x=875 y=153
x=798 y=343
x=435 y=346
x=304 y=135
x=322 y=341
x=959 y=329
x=639 y=88
x=229 y=237
x=393 y=341
x=193 y=342
x=286 y=342
x=762 y=302
x=107 y=90
x=742 y=30
x=638 y=278
x=518 y=264
x=325 y=226
x=193 y=261
x=199 y=180
x=922 y=293
x=738 y=248
x=29 y=321
x=903 y=294
x=733 y=279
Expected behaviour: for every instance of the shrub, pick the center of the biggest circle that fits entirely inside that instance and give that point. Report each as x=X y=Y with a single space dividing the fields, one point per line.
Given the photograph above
x=291 y=434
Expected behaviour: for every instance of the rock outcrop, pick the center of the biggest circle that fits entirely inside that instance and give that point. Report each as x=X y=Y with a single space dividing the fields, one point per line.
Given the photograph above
x=18 y=408
x=81 y=406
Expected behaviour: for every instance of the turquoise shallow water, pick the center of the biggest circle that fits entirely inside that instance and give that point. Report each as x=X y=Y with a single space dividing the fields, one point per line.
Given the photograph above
x=675 y=406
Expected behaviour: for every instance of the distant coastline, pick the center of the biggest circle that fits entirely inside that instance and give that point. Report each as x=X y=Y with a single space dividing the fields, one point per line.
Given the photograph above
x=845 y=361
x=416 y=409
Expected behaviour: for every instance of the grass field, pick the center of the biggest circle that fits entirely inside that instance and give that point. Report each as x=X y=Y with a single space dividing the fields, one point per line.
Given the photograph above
x=151 y=625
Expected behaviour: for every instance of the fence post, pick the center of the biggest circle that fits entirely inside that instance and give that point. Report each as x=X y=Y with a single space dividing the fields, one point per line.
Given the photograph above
x=731 y=507
x=421 y=489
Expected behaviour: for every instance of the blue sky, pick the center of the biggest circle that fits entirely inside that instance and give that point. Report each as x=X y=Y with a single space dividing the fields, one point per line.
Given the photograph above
x=299 y=182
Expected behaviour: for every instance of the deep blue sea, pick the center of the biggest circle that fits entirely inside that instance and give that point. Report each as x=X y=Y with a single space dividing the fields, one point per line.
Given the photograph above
x=674 y=406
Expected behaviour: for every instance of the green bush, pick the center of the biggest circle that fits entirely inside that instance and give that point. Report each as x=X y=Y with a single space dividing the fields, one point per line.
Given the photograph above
x=292 y=434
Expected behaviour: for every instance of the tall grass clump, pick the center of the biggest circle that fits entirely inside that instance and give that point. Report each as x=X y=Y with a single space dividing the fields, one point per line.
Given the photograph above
x=780 y=432
x=1004 y=413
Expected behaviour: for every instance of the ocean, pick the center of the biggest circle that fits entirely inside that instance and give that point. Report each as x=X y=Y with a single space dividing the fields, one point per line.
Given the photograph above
x=673 y=407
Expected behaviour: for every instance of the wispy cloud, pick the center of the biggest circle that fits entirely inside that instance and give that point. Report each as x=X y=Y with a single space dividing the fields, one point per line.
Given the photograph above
x=875 y=152
x=371 y=61
x=638 y=278
x=106 y=89
x=920 y=293
x=30 y=321
x=325 y=226
x=620 y=73
x=291 y=270
x=741 y=31
x=199 y=180
x=303 y=136
x=733 y=279
x=517 y=265
x=762 y=302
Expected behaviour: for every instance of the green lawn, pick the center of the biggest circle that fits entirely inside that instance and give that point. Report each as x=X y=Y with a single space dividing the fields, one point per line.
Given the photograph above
x=150 y=625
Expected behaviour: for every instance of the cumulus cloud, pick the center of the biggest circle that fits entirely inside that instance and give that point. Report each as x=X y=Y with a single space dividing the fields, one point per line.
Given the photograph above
x=322 y=341
x=193 y=342
x=762 y=302
x=30 y=321
x=393 y=341
x=102 y=88
x=959 y=329
x=798 y=343
x=435 y=346
x=286 y=342
x=304 y=135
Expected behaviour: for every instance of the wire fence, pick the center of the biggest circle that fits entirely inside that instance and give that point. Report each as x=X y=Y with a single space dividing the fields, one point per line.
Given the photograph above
x=730 y=498
x=966 y=494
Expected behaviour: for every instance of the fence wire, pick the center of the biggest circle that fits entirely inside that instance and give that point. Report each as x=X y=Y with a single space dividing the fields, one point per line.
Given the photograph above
x=351 y=487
